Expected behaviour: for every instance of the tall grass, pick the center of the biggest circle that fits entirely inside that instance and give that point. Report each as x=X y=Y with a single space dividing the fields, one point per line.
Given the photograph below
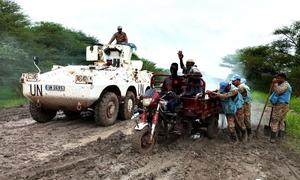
x=295 y=104
x=293 y=124
x=9 y=97
x=259 y=96
x=12 y=102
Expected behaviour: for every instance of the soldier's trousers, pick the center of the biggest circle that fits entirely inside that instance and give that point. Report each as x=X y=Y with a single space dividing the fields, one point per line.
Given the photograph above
x=231 y=122
x=240 y=118
x=278 y=115
x=247 y=115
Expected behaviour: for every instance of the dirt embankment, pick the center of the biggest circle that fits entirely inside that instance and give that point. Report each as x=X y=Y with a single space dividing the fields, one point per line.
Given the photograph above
x=77 y=149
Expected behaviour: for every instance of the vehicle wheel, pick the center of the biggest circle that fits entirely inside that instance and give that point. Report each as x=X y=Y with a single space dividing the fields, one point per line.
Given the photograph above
x=41 y=115
x=187 y=131
x=127 y=108
x=140 y=141
x=106 y=110
x=212 y=128
x=72 y=114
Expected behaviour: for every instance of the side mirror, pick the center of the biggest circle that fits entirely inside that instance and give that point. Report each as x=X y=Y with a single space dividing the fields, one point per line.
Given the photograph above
x=36 y=60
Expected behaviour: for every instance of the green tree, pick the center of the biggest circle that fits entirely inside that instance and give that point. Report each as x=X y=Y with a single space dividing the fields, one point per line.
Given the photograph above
x=260 y=63
x=148 y=65
x=234 y=62
x=12 y=19
x=289 y=39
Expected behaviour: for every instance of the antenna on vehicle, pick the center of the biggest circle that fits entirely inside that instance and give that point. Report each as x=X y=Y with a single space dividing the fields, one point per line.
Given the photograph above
x=36 y=62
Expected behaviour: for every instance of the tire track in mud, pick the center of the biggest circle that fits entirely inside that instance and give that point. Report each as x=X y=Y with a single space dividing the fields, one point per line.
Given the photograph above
x=77 y=149
x=14 y=114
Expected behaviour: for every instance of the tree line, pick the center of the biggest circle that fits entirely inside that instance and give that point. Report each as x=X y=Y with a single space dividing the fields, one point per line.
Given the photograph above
x=260 y=63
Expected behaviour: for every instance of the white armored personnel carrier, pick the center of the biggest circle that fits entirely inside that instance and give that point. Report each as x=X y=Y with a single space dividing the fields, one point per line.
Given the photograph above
x=110 y=86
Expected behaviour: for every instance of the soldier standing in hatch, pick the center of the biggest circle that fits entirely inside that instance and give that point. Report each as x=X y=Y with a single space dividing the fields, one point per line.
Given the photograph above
x=120 y=37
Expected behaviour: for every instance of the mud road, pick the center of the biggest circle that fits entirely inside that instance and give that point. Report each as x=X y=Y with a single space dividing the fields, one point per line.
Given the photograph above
x=77 y=149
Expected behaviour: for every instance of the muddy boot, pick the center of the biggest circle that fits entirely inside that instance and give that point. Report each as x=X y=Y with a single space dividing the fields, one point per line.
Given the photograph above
x=249 y=134
x=238 y=132
x=233 y=138
x=281 y=134
x=273 y=137
x=243 y=137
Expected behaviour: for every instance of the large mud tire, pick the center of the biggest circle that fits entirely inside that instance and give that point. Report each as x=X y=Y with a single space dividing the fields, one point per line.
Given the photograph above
x=106 y=110
x=212 y=127
x=127 y=108
x=139 y=141
x=41 y=115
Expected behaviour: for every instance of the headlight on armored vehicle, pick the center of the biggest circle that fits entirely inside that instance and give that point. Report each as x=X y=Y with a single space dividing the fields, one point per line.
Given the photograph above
x=31 y=77
x=147 y=101
x=82 y=79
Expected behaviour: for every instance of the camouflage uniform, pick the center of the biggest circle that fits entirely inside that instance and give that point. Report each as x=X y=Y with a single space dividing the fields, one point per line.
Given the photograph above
x=232 y=117
x=279 y=109
x=246 y=108
x=240 y=118
x=278 y=115
x=230 y=122
x=121 y=38
x=247 y=114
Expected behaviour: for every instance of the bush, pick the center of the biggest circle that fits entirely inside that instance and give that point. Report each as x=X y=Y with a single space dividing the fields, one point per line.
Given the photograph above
x=294 y=80
x=293 y=124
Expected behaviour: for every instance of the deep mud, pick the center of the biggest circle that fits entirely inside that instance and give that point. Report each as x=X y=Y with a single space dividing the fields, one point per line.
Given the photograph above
x=77 y=149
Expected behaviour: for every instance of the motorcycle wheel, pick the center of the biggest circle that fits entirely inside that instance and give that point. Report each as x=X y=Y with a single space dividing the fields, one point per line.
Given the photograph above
x=140 y=141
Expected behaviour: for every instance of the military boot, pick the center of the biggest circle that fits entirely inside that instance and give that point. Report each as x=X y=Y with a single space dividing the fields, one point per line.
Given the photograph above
x=243 y=137
x=238 y=132
x=281 y=134
x=249 y=132
x=273 y=137
x=233 y=137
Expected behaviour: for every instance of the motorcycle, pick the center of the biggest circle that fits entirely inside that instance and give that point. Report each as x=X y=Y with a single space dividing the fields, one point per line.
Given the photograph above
x=155 y=119
x=158 y=118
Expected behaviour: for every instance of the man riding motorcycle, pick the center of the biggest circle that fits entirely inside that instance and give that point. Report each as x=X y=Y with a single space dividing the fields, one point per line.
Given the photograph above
x=172 y=83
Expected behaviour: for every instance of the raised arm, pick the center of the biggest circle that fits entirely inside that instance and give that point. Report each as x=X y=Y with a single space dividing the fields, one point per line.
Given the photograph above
x=229 y=94
x=180 y=56
x=280 y=89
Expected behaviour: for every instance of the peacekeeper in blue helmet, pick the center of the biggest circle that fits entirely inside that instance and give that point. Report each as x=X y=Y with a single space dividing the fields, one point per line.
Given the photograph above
x=245 y=92
x=232 y=104
x=280 y=99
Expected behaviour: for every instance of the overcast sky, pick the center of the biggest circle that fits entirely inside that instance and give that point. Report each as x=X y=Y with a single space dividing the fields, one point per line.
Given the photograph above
x=205 y=30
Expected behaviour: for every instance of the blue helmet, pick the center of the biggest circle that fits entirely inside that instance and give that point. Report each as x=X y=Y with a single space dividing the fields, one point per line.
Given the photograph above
x=235 y=77
x=243 y=81
x=223 y=85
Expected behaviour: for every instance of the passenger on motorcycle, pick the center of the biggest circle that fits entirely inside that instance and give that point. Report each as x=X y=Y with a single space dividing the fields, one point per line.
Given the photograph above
x=173 y=82
x=194 y=80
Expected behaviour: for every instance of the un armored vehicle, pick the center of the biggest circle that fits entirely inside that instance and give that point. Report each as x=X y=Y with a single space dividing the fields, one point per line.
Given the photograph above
x=110 y=86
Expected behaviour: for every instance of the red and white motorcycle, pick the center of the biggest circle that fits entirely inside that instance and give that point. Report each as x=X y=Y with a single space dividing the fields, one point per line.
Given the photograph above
x=154 y=120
